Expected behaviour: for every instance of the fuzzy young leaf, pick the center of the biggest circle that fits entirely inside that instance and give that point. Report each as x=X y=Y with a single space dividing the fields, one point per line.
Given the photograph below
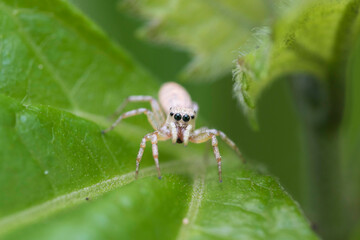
x=311 y=39
x=60 y=177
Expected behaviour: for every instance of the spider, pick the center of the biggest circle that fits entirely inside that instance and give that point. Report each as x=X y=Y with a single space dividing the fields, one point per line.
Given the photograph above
x=179 y=125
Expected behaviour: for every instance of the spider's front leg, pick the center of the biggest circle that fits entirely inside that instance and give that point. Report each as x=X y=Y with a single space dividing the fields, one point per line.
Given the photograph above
x=154 y=138
x=204 y=134
x=227 y=140
x=197 y=137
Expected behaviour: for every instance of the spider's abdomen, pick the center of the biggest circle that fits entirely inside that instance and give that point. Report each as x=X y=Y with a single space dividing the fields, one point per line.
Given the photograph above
x=172 y=94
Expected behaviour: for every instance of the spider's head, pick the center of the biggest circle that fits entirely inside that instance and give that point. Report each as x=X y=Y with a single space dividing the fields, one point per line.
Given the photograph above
x=182 y=117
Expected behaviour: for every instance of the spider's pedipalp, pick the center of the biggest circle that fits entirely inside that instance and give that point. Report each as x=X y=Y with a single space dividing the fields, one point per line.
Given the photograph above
x=187 y=134
x=174 y=132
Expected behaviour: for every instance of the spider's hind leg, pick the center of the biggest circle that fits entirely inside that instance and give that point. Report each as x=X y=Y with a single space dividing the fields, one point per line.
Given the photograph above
x=155 y=107
x=150 y=115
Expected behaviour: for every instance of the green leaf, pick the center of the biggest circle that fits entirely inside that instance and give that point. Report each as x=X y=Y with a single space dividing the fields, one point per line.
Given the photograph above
x=60 y=160
x=312 y=39
x=212 y=31
x=67 y=68
x=60 y=177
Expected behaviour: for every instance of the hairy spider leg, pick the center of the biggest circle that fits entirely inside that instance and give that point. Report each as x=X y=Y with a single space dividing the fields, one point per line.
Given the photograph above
x=203 y=135
x=150 y=115
x=200 y=130
x=155 y=107
x=153 y=137
x=223 y=136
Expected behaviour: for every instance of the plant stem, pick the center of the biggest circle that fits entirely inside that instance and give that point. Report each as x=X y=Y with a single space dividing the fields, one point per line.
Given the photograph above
x=321 y=119
x=321 y=107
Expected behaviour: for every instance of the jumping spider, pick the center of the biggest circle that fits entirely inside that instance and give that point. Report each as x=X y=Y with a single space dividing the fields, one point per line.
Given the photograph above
x=179 y=125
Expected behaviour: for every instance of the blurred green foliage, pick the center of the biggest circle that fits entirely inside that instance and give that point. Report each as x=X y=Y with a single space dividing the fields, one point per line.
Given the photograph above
x=164 y=62
x=212 y=34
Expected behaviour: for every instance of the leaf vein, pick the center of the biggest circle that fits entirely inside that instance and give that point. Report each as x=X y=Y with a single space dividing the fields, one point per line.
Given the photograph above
x=37 y=162
x=109 y=150
x=38 y=212
x=194 y=206
x=37 y=52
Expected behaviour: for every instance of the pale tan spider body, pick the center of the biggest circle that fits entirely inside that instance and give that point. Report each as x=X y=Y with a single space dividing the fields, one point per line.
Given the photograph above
x=179 y=125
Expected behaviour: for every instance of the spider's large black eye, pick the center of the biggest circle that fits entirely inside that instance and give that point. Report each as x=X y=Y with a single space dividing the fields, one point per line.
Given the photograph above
x=177 y=116
x=186 y=118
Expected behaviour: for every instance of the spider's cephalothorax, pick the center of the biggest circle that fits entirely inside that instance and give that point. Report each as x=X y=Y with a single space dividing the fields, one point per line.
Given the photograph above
x=181 y=122
x=179 y=125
